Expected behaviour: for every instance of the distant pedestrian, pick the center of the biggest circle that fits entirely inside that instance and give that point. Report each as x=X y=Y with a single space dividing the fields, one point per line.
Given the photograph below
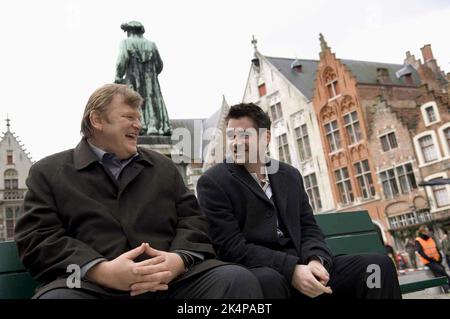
x=410 y=248
x=445 y=244
x=430 y=255
x=391 y=253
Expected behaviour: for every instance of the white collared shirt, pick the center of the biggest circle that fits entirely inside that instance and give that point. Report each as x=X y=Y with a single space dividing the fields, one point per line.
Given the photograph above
x=265 y=185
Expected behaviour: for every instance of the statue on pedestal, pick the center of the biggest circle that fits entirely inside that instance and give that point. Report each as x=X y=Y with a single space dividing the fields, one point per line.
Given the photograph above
x=138 y=65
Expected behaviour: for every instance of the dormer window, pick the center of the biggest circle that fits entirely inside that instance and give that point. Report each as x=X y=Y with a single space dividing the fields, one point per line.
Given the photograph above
x=408 y=79
x=383 y=75
x=297 y=66
x=298 y=69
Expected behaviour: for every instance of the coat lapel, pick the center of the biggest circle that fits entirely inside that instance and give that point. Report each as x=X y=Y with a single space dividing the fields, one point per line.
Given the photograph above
x=133 y=170
x=239 y=172
x=280 y=190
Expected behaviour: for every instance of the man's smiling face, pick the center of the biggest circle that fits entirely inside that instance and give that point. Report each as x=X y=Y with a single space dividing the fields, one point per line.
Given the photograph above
x=117 y=129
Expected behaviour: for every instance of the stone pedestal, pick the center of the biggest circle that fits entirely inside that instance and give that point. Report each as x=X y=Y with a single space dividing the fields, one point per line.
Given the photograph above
x=157 y=143
x=162 y=145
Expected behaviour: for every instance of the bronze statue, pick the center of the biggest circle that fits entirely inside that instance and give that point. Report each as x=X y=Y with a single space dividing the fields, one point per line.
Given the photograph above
x=139 y=61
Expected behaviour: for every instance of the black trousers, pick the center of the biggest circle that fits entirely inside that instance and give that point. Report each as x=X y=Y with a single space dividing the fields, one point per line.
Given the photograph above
x=228 y=282
x=348 y=279
x=439 y=271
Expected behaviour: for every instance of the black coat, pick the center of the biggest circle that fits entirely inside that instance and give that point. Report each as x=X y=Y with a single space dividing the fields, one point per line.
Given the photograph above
x=75 y=212
x=241 y=218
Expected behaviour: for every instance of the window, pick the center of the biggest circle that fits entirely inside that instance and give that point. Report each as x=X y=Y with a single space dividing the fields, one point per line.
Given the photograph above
x=344 y=185
x=388 y=142
x=411 y=219
x=404 y=220
x=276 y=112
x=333 y=89
x=406 y=178
x=11 y=179
x=262 y=89
x=352 y=127
x=333 y=137
x=383 y=75
x=364 y=177
x=298 y=68
x=389 y=183
x=313 y=191
x=11 y=215
x=408 y=79
x=431 y=115
x=283 y=149
x=441 y=196
x=304 y=148
x=393 y=222
x=9 y=158
x=424 y=217
x=447 y=137
x=398 y=180
x=428 y=149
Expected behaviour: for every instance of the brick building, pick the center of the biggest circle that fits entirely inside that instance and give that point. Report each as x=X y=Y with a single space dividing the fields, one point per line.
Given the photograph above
x=368 y=115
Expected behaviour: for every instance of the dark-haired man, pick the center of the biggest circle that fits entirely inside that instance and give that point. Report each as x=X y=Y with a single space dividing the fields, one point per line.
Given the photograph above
x=259 y=216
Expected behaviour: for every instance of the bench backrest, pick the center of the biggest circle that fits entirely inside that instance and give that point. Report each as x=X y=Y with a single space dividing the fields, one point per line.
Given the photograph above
x=350 y=233
x=15 y=281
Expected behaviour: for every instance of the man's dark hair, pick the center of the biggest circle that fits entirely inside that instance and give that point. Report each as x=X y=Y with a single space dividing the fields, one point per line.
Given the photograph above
x=253 y=111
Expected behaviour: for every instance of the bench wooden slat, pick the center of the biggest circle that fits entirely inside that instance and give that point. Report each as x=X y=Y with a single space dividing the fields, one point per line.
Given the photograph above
x=9 y=258
x=333 y=224
x=356 y=244
x=423 y=284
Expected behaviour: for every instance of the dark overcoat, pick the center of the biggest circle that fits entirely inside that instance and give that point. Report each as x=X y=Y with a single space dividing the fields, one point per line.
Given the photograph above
x=243 y=220
x=75 y=211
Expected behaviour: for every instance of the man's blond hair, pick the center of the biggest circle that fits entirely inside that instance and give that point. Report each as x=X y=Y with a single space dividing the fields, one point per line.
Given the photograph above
x=102 y=98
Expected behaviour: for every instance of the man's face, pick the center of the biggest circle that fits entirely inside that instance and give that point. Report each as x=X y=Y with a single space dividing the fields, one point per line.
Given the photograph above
x=426 y=231
x=245 y=143
x=118 y=128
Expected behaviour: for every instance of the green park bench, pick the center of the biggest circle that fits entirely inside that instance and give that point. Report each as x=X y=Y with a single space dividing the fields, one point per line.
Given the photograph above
x=15 y=281
x=345 y=233
x=354 y=233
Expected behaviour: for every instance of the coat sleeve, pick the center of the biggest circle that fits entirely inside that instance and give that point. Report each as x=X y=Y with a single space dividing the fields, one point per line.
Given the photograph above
x=157 y=60
x=45 y=248
x=228 y=239
x=122 y=62
x=312 y=239
x=191 y=231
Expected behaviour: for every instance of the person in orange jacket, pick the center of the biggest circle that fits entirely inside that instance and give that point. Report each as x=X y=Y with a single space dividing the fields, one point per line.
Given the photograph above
x=429 y=254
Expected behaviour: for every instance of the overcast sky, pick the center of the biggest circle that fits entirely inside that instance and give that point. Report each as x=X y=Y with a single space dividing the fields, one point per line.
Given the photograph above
x=54 y=54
